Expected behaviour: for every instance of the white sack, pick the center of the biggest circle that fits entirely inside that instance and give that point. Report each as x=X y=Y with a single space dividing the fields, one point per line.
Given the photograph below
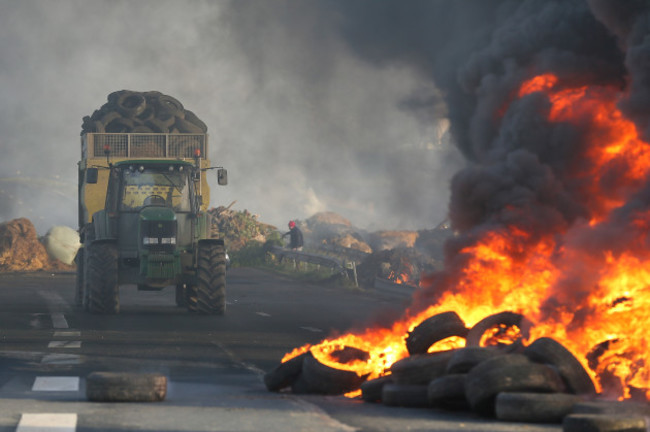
x=62 y=243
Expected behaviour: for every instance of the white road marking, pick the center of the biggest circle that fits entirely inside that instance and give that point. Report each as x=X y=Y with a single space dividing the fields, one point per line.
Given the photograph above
x=64 y=333
x=312 y=329
x=43 y=383
x=61 y=359
x=46 y=422
x=64 y=344
x=59 y=321
x=264 y=314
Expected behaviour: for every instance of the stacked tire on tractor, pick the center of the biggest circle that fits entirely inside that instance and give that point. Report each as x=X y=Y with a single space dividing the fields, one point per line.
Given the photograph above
x=539 y=383
x=142 y=112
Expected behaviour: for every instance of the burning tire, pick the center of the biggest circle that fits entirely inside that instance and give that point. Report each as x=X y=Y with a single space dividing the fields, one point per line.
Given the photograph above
x=549 y=351
x=512 y=373
x=420 y=368
x=491 y=330
x=406 y=395
x=101 y=278
x=285 y=374
x=434 y=329
x=371 y=390
x=448 y=392
x=464 y=359
x=208 y=296
x=534 y=407
x=322 y=379
x=125 y=387
x=604 y=423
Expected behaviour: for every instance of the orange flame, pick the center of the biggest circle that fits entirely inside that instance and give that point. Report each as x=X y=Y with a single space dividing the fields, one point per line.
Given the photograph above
x=596 y=302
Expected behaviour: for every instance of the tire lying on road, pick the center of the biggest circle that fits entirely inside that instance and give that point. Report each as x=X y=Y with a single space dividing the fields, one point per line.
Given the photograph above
x=535 y=407
x=322 y=379
x=604 y=423
x=371 y=390
x=549 y=351
x=125 y=387
x=464 y=359
x=448 y=392
x=420 y=368
x=285 y=373
x=406 y=395
x=434 y=329
x=511 y=373
x=611 y=407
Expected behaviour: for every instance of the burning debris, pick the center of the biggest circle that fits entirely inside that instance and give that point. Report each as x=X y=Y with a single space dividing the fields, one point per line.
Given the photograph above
x=449 y=366
x=552 y=216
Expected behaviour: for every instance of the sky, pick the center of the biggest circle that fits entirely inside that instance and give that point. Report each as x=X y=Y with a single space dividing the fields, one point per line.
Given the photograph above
x=302 y=110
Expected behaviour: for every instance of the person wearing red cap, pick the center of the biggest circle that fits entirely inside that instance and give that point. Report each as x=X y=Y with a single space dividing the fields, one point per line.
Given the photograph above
x=295 y=236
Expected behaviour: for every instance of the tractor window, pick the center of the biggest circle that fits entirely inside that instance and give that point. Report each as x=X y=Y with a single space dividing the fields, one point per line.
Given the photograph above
x=155 y=188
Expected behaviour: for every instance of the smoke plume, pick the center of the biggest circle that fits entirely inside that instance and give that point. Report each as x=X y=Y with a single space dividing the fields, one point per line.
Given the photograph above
x=297 y=114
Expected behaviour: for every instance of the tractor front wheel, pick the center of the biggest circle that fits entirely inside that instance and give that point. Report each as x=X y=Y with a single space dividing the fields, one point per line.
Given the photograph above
x=208 y=295
x=101 y=279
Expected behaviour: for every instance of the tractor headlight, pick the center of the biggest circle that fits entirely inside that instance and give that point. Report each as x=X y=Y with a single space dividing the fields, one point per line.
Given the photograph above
x=149 y=241
x=168 y=240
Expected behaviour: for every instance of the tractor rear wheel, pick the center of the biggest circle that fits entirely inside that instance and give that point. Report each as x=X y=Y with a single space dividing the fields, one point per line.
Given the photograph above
x=101 y=278
x=208 y=295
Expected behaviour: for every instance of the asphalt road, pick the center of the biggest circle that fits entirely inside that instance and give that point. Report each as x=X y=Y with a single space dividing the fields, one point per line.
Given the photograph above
x=214 y=365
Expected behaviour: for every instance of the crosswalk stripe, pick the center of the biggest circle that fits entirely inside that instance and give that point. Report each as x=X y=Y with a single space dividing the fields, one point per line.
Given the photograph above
x=58 y=383
x=59 y=321
x=64 y=344
x=66 y=333
x=47 y=422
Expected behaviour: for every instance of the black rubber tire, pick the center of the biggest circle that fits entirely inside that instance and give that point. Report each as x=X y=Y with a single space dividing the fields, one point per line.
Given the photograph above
x=187 y=127
x=604 y=423
x=507 y=319
x=534 y=407
x=130 y=104
x=101 y=278
x=513 y=373
x=323 y=379
x=464 y=359
x=371 y=389
x=120 y=125
x=156 y=125
x=109 y=117
x=125 y=387
x=549 y=351
x=79 y=280
x=420 y=368
x=208 y=296
x=285 y=373
x=301 y=386
x=405 y=395
x=434 y=329
x=448 y=392
x=194 y=119
x=612 y=407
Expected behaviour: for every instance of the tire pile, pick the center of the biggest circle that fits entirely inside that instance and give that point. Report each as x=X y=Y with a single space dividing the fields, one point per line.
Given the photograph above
x=493 y=376
x=142 y=112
